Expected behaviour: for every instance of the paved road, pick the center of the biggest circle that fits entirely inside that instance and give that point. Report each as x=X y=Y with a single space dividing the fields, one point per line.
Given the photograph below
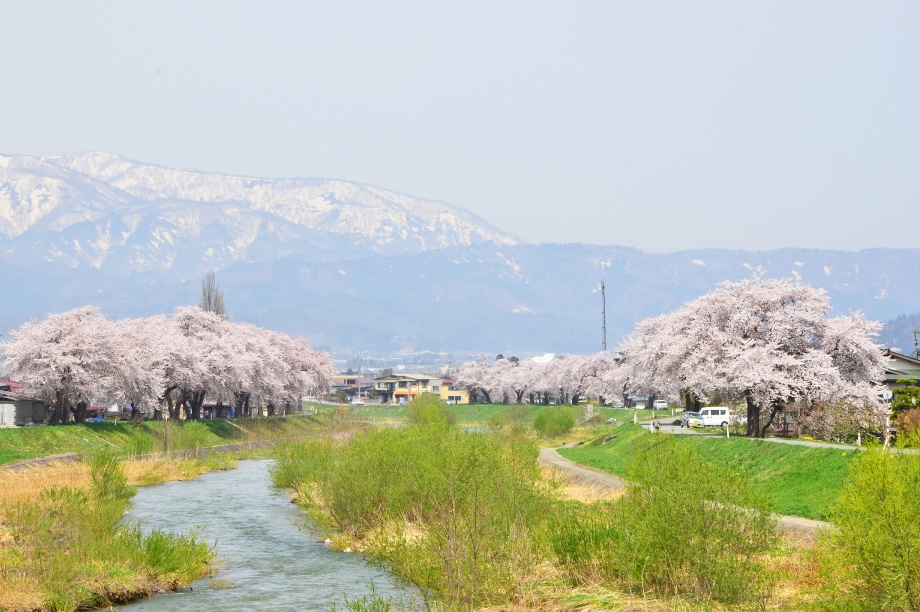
x=688 y=431
x=580 y=473
x=583 y=474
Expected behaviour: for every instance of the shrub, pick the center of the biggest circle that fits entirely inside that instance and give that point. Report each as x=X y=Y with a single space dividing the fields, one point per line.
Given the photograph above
x=428 y=408
x=876 y=544
x=451 y=511
x=498 y=420
x=191 y=435
x=554 y=421
x=684 y=526
x=109 y=477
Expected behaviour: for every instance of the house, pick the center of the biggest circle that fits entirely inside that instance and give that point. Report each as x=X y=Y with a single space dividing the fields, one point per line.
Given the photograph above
x=20 y=409
x=353 y=385
x=401 y=388
x=900 y=367
x=640 y=403
x=453 y=395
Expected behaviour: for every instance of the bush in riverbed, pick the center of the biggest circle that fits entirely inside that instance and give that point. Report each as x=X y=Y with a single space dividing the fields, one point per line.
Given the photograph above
x=428 y=409
x=684 y=526
x=451 y=511
x=499 y=420
x=554 y=421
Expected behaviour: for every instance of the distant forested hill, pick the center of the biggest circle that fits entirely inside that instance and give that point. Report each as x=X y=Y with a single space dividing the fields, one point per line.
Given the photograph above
x=899 y=333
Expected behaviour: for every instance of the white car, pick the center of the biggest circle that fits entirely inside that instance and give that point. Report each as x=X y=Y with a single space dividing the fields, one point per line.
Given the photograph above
x=660 y=405
x=357 y=402
x=713 y=416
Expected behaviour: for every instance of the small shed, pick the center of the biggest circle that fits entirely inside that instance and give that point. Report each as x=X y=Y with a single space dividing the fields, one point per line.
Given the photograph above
x=19 y=409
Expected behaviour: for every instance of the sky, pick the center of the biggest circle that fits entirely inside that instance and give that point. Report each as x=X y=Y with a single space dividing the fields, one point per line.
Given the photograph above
x=658 y=125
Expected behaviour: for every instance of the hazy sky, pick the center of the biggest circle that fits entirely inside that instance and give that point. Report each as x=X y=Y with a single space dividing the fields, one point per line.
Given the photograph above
x=663 y=126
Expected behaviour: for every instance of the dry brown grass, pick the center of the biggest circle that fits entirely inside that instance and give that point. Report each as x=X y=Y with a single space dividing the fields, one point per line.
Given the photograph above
x=26 y=483
x=569 y=488
x=797 y=562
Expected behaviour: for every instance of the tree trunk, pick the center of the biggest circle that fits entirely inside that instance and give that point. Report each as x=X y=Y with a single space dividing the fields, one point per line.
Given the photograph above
x=769 y=423
x=520 y=396
x=197 y=401
x=753 y=416
x=575 y=399
x=79 y=412
x=271 y=409
x=57 y=412
x=485 y=395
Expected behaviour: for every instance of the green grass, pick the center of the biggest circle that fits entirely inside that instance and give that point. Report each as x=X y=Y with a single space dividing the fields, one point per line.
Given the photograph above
x=798 y=480
x=482 y=412
x=146 y=437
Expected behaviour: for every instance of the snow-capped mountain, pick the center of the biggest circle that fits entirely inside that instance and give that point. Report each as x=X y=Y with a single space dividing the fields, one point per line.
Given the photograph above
x=356 y=267
x=105 y=211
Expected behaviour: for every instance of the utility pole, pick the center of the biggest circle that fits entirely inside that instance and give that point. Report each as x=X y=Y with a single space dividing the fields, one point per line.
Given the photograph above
x=604 y=315
x=916 y=345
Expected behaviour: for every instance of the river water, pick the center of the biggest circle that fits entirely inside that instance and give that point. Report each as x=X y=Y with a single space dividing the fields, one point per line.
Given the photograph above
x=271 y=563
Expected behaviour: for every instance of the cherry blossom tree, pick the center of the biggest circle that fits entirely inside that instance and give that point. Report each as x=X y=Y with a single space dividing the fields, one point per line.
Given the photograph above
x=765 y=342
x=68 y=358
x=79 y=356
x=474 y=377
x=143 y=354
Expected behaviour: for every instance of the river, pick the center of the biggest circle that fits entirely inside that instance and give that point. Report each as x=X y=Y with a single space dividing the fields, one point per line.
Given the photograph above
x=271 y=563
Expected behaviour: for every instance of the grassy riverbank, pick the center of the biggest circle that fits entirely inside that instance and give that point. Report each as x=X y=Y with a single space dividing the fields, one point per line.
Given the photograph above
x=797 y=480
x=471 y=521
x=146 y=437
x=64 y=544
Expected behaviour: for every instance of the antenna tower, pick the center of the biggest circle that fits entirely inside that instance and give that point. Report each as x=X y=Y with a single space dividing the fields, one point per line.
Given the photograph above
x=604 y=315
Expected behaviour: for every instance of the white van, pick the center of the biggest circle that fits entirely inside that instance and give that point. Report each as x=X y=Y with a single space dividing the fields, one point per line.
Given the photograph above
x=713 y=416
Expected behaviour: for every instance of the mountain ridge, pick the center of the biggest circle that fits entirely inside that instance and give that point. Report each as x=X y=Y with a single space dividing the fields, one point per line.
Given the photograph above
x=135 y=239
x=82 y=196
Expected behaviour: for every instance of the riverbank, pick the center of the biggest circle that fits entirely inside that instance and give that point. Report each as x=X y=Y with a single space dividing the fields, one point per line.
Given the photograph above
x=467 y=519
x=797 y=480
x=64 y=544
x=148 y=437
x=50 y=508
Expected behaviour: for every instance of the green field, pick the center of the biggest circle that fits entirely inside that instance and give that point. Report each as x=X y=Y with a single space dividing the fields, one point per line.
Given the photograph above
x=799 y=480
x=482 y=412
x=145 y=437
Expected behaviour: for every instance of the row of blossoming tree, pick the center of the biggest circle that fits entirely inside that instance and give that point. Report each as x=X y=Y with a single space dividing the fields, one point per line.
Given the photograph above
x=80 y=357
x=767 y=344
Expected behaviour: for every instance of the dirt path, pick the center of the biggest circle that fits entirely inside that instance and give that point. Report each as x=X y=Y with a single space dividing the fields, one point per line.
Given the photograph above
x=548 y=456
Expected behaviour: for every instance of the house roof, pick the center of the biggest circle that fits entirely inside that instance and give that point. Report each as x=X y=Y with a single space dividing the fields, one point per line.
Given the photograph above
x=910 y=360
x=407 y=376
x=12 y=396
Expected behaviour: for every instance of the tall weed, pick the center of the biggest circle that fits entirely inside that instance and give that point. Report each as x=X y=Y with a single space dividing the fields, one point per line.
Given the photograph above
x=451 y=511
x=684 y=527
x=874 y=548
x=554 y=421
